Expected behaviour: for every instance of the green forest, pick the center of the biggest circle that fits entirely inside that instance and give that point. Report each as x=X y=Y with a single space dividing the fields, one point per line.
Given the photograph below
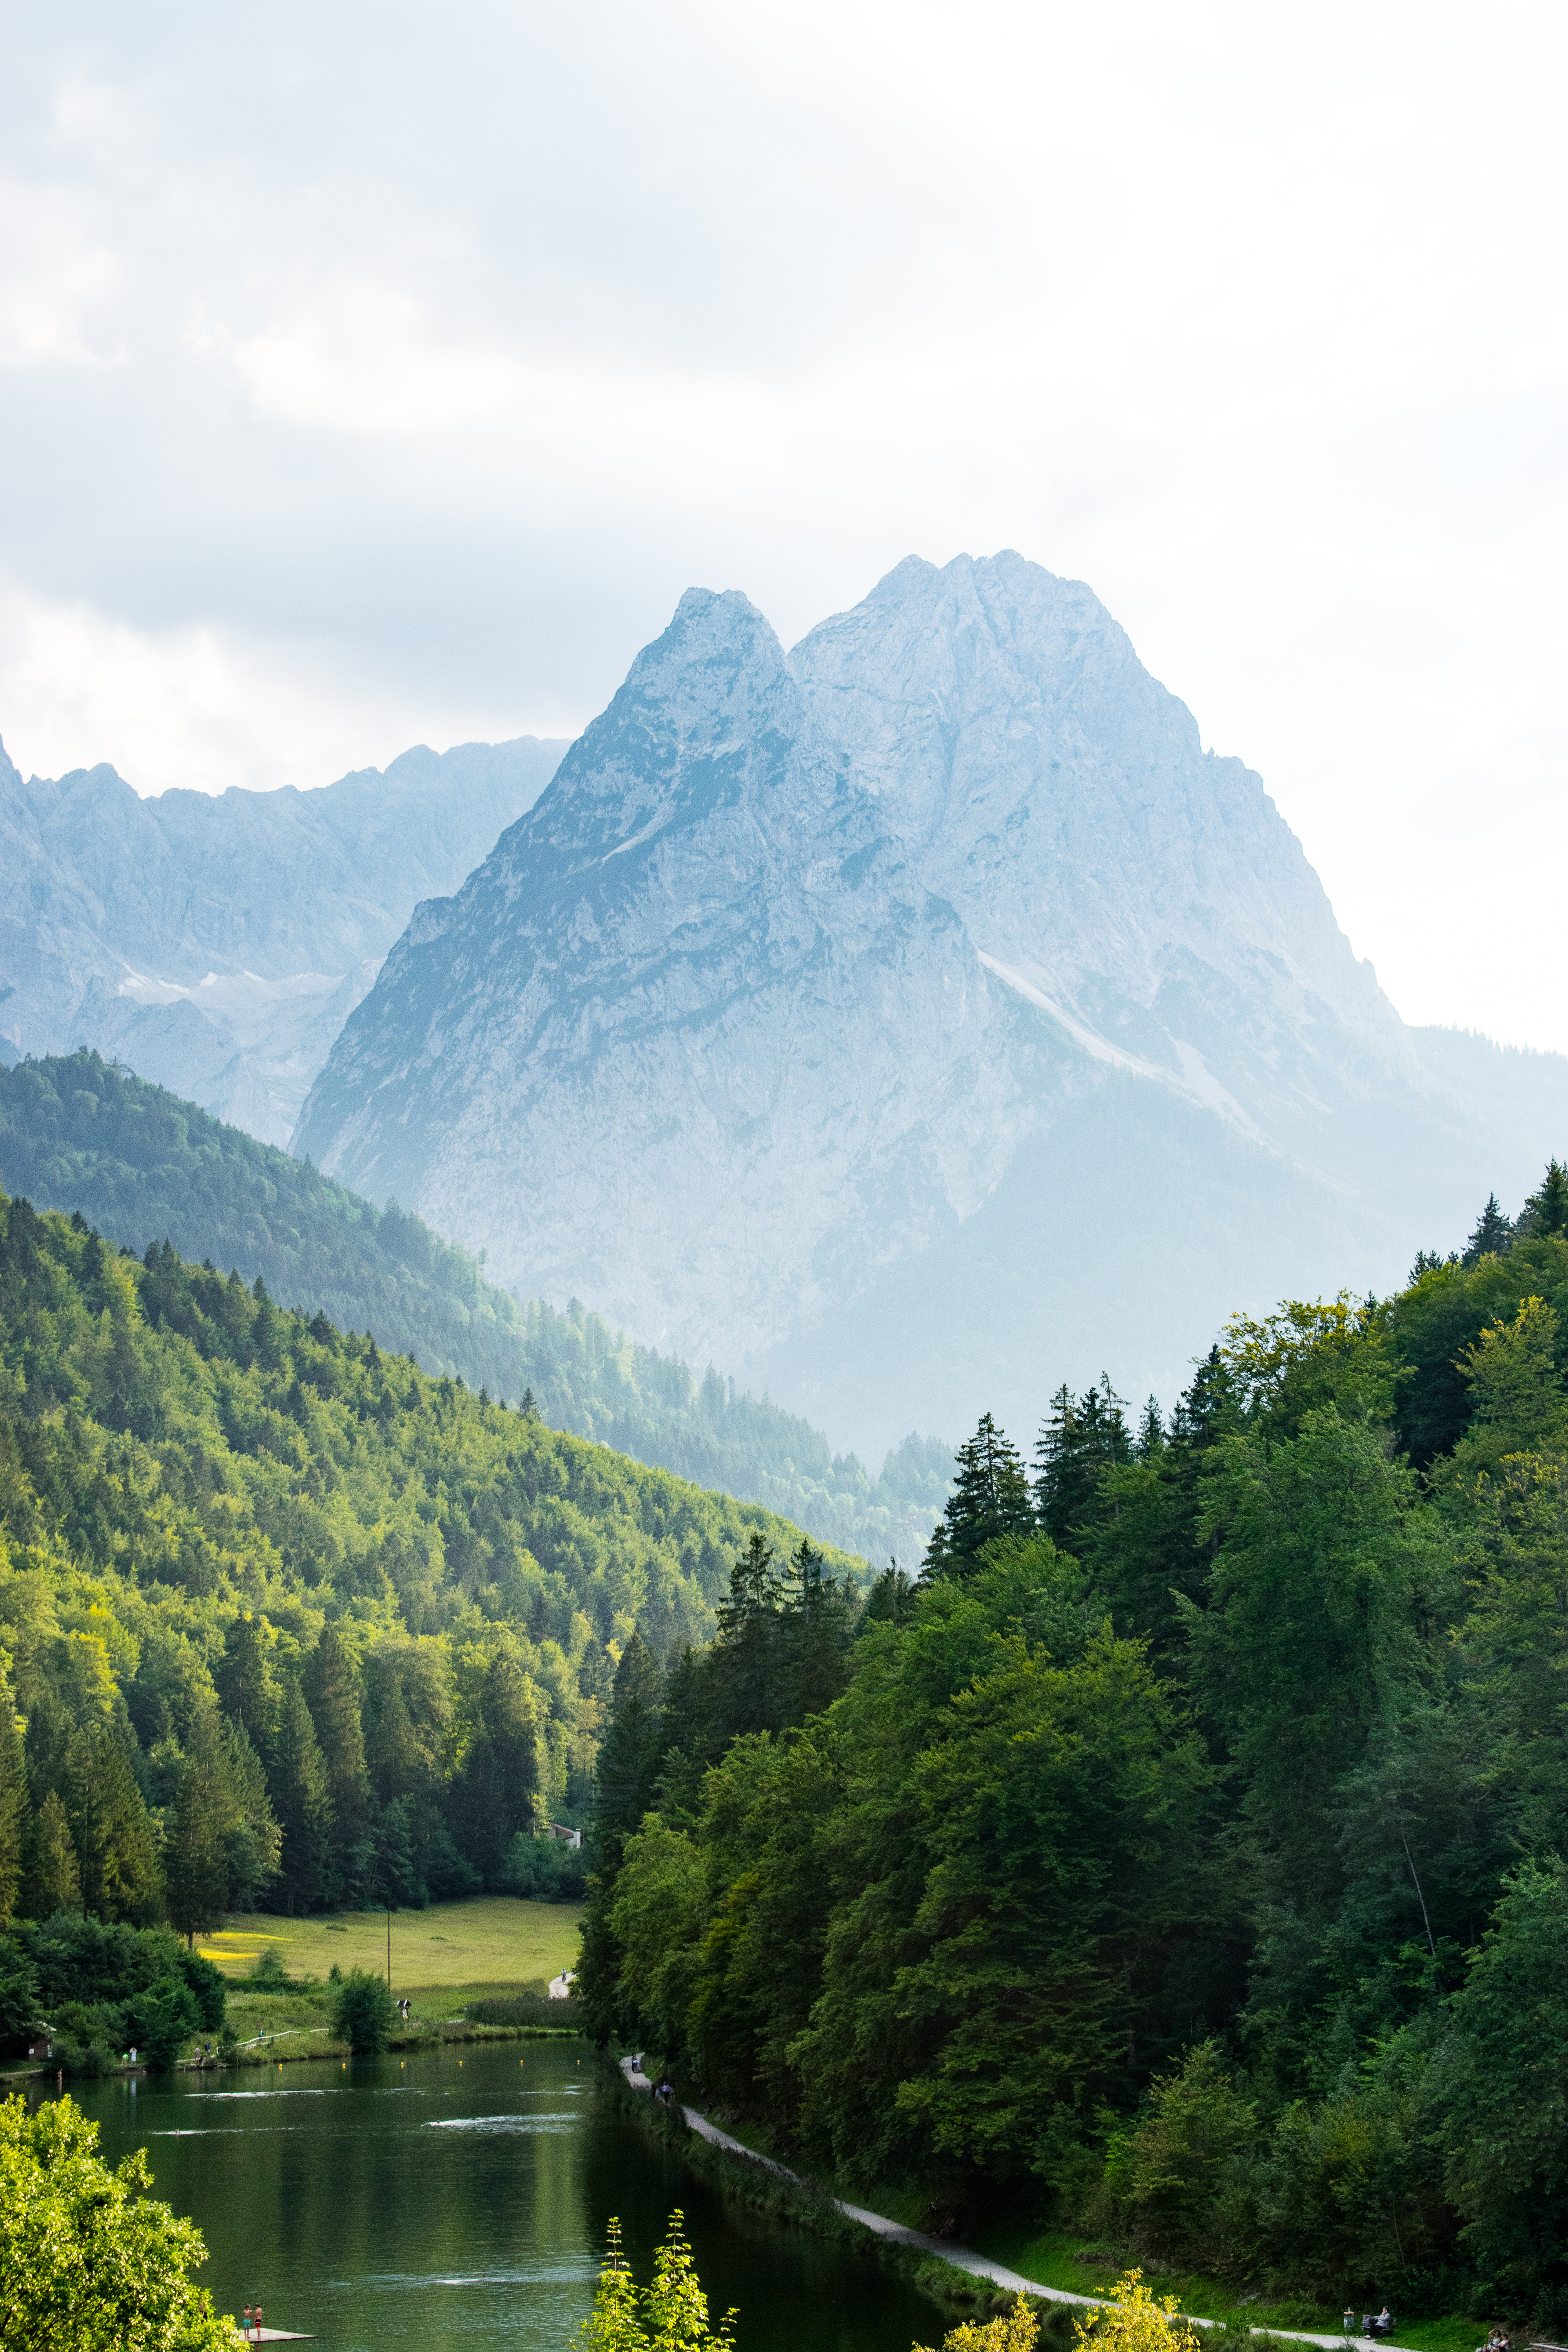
x=286 y=1620
x=1180 y=1857
x=78 y=1134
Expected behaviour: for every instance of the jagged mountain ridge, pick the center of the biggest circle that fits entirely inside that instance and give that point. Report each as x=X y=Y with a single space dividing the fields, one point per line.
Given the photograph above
x=219 y=942
x=884 y=1017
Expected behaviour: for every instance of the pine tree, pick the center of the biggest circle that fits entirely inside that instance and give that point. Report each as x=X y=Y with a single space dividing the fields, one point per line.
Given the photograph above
x=629 y=1758
x=623 y=1790
x=301 y=1801
x=247 y=1681
x=891 y=1599
x=111 y=1830
x=1545 y=1213
x=816 y=1630
x=252 y=1840
x=1493 y=1235
x=1077 y=1443
x=397 y=1761
x=1150 y=1441
x=496 y=1794
x=742 y=1683
x=13 y=1802
x=51 y=1880
x=990 y=1497
x=335 y=1697
x=197 y=1857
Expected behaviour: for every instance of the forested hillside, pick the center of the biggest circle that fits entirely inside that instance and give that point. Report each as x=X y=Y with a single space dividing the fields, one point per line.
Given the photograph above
x=285 y=1619
x=77 y=1133
x=1184 y=1856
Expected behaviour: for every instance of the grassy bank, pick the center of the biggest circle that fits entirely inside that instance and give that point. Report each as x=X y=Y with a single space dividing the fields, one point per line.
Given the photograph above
x=1076 y=2263
x=1055 y=2259
x=497 y=1941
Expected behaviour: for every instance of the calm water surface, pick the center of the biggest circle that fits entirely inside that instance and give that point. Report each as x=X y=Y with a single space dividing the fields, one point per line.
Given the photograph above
x=451 y=2207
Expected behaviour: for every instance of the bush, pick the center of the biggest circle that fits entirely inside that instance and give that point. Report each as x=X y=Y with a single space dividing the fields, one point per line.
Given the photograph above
x=520 y=2009
x=86 y=2258
x=545 y=1870
x=361 y=2013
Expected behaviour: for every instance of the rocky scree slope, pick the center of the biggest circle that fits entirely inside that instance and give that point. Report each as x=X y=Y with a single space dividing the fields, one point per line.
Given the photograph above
x=892 y=1017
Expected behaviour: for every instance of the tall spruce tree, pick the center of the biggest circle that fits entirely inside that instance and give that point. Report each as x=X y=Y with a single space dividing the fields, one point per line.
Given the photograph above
x=51 y=1876
x=1493 y=1235
x=247 y=1679
x=1545 y=1212
x=301 y=1800
x=13 y=1799
x=196 y=1856
x=497 y=1790
x=335 y=1697
x=112 y=1832
x=252 y=1840
x=1079 y=1439
x=990 y=1497
x=624 y=1791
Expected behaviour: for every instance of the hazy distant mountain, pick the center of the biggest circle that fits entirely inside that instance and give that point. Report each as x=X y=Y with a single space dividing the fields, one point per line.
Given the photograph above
x=218 y=943
x=913 y=1020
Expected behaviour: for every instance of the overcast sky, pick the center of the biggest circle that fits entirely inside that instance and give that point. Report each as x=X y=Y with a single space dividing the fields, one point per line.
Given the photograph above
x=376 y=374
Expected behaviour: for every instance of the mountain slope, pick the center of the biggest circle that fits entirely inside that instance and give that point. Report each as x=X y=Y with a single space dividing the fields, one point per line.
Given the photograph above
x=407 y=1602
x=219 y=942
x=77 y=1134
x=878 y=1017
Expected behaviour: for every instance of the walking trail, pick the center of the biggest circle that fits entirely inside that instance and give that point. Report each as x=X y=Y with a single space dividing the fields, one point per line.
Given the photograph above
x=979 y=2266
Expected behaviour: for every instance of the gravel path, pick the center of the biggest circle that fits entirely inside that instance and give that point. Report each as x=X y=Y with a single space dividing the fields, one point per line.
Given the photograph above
x=963 y=2258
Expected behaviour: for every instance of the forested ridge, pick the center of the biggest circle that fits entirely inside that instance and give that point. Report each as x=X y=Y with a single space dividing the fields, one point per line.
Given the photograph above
x=80 y=1134
x=1180 y=1857
x=284 y=1619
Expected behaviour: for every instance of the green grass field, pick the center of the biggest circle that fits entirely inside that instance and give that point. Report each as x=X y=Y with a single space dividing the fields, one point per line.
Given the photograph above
x=494 y=1941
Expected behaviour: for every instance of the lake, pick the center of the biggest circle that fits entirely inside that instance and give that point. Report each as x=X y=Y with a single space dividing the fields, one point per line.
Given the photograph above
x=458 y=2199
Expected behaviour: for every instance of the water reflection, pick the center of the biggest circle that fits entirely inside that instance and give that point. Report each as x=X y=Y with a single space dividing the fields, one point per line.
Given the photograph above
x=450 y=2208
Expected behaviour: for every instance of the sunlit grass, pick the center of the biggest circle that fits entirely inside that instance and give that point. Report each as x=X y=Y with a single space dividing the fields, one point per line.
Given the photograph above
x=496 y=1942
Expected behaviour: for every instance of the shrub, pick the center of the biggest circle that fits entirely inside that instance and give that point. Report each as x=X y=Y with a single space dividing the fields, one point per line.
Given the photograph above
x=362 y=2012
x=86 y=2258
x=543 y=1870
x=528 y=2008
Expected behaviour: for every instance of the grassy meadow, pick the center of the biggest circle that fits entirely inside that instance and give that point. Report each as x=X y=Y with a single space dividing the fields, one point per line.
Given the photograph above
x=497 y=1943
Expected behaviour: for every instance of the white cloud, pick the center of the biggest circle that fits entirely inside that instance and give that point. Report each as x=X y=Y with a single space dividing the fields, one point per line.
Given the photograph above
x=202 y=708
x=450 y=344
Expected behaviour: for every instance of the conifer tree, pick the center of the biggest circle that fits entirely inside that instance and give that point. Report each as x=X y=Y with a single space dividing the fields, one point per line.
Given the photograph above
x=743 y=1686
x=990 y=1497
x=196 y=1857
x=1545 y=1213
x=1493 y=1235
x=51 y=1880
x=252 y=1840
x=111 y=1830
x=816 y=1634
x=1080 y=1439
x=13 y=1799
x=247 y=1679
x=623 y=1790
x=496 y=1791
x=335 y=1696
x=629 y=1758
x=1151 y=1438
x=301 y=1802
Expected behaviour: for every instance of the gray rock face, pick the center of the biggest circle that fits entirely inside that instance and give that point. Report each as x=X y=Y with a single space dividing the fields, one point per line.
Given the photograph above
x=910 y=1022
x=218 y=944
